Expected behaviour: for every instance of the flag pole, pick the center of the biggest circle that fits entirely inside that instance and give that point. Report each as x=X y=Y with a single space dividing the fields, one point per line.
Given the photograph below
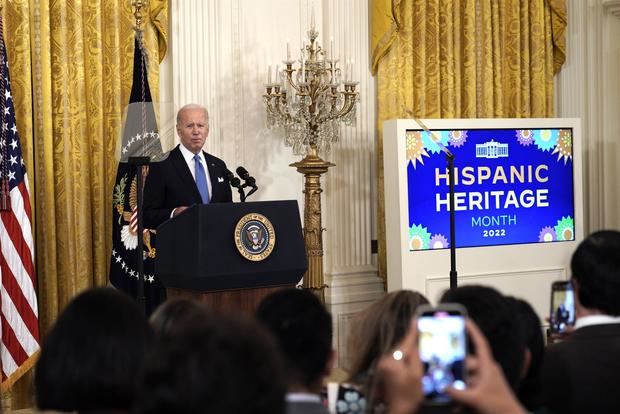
x=140 y=163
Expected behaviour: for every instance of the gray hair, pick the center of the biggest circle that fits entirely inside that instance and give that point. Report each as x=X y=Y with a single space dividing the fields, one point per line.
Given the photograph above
x=191 y=106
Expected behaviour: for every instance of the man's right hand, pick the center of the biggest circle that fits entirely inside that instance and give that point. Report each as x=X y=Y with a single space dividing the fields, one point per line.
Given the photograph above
x=178 y=210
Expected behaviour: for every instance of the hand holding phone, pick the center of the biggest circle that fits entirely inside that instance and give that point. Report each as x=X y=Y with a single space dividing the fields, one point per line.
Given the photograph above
x=400 y=374
x=442 y=344
x=488 y=392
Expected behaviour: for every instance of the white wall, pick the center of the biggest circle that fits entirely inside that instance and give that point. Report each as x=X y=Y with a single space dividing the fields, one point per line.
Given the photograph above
x=219 y=54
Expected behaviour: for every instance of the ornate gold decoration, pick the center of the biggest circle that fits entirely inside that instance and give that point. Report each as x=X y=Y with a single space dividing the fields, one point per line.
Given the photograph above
x=310 y=104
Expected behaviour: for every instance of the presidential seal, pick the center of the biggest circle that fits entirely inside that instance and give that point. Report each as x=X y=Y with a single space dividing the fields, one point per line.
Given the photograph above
x=255 y=237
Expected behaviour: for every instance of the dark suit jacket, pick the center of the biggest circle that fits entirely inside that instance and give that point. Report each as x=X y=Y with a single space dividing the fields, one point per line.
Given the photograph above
x=170 y=184
x=580 y=374
x=305 y=407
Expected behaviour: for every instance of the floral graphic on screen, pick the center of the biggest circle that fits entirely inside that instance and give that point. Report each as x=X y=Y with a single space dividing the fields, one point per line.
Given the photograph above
x=525 y=137
x=430 y=139
x=415 y=147
x=419 y=238
x=564 y=147
x=439 y=241
x=565 y=229
x=546 y=139
x=457 y=138
x=547 y=234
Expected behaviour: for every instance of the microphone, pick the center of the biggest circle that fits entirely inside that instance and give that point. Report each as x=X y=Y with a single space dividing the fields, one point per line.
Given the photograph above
x=232 y=180
x=249 y=180
x=245 y=176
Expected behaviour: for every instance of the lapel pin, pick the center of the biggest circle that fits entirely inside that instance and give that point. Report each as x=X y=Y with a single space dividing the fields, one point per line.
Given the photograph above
x=220 y=179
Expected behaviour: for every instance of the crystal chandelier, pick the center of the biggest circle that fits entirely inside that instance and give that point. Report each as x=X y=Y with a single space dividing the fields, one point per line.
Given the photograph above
x=310 y=103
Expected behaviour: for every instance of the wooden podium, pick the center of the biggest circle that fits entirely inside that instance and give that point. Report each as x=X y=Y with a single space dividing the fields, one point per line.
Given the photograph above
x=197 y=255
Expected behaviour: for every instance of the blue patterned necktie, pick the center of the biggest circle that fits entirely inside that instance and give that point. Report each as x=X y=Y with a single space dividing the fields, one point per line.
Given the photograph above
x=201 y=179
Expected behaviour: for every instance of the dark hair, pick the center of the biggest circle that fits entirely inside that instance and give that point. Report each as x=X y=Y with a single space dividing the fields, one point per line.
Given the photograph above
x=168 y=316
x=530 y=388
x=215 y=363
x=303 y=329
x=596 y=268
x=379 y=328
x=93 y=354
x=495 y=316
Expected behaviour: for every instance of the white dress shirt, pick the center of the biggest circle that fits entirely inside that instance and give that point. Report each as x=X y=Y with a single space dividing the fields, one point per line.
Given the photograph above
x=596 y=320
x=191 y=164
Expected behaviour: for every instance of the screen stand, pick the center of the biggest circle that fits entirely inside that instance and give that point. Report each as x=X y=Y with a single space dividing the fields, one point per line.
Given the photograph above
x=453 y=274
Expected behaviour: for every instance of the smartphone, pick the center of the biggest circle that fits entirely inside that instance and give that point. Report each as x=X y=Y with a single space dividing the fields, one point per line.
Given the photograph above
x=562 y=312
x=442 y=343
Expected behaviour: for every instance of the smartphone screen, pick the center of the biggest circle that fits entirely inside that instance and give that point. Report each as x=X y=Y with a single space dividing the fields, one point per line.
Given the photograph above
x=562 y=306
x=443 y=347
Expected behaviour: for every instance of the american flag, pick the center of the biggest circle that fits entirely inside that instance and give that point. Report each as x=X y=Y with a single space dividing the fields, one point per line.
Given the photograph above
x=19 y=319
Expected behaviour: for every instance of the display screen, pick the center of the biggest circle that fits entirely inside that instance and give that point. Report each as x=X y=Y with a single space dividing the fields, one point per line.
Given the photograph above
x=512 y=186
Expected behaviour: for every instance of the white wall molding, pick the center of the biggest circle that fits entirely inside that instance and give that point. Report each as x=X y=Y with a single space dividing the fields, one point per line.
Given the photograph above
x=527 y=283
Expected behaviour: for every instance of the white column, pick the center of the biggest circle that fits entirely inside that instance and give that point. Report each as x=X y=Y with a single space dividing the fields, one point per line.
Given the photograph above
x=588 y=87
x=350 y=206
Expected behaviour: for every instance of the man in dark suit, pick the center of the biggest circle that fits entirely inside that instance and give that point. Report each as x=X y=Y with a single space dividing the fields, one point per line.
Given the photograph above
x=580 y=374
x=303 y=330
x=189 y=175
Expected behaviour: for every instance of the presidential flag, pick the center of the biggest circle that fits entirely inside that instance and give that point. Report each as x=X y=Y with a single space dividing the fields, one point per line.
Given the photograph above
x=140 y=138
x=20 y=313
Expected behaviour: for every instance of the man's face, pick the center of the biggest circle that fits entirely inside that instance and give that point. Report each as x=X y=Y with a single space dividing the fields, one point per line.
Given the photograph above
x=193 y=129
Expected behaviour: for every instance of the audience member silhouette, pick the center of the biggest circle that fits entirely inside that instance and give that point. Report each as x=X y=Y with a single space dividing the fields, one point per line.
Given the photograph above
x=495 y=316
x=580 y=374
x=92 y=357
x=530 y=387
x=303 y=330
x=167 y=318
x=379 y=328
x=373 y=334
x=213 y=363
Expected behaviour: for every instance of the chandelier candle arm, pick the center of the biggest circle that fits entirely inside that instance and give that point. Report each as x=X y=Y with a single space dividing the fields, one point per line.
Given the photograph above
x=309 y=103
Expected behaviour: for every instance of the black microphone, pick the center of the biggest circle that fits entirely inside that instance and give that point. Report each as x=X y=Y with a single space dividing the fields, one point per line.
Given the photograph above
x=232 y=180
x=249 y=180
x=245 y=176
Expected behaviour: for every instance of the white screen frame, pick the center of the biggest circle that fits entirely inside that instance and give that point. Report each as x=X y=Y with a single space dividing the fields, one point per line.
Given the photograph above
x=523 y=270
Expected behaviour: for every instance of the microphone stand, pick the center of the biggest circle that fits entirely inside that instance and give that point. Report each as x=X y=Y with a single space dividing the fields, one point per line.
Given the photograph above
x=450 y=160
x=236 y=183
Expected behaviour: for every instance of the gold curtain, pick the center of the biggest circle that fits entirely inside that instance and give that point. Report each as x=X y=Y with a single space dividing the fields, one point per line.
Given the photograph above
x=463 y=59
x=71 y=71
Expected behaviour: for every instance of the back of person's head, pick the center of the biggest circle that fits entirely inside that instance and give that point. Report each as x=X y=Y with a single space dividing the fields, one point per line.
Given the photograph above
x=92 y=357
x=498 y=322
x=379 y=328
x=530 y=388
x=302 y=327
x=595 y=267
x=168 y=316
x=213 y=363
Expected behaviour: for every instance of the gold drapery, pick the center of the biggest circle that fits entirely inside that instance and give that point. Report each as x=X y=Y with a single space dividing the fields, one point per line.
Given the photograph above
x=463 y=59
x=71 y=72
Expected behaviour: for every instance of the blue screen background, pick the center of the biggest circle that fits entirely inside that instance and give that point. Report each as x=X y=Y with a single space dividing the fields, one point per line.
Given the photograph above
x=429 y=229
